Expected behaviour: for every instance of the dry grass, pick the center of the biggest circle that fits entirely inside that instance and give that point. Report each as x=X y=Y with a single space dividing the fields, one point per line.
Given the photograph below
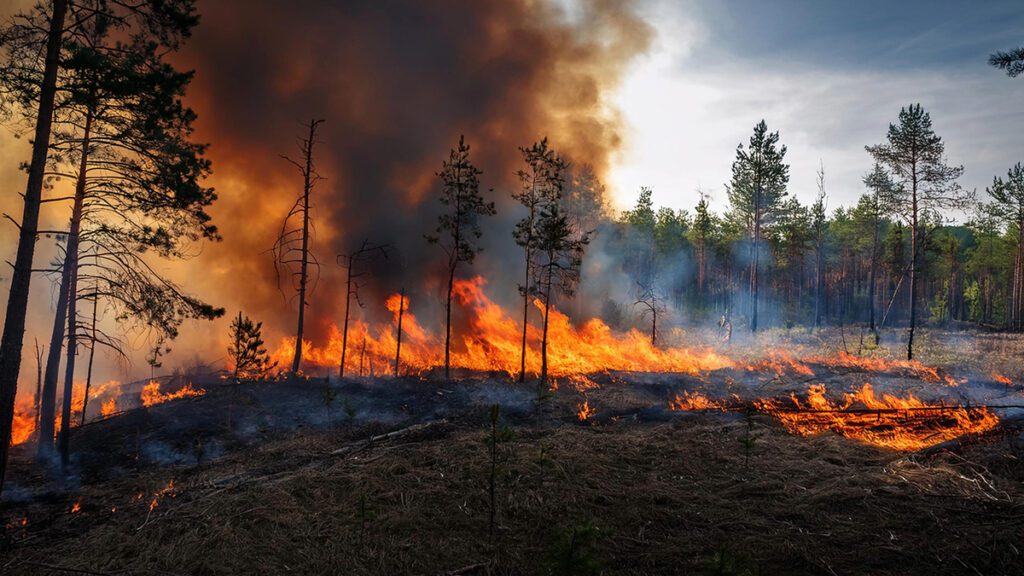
x=666 y=498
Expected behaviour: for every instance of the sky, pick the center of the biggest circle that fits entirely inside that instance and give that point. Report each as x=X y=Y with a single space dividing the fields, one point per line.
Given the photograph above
x=829 y=76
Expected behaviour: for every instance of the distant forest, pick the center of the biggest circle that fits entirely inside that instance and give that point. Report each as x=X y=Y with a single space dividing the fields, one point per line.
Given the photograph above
x=812 y=264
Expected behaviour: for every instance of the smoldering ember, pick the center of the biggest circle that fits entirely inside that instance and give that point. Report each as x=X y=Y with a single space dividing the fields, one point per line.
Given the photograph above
x=559 y=287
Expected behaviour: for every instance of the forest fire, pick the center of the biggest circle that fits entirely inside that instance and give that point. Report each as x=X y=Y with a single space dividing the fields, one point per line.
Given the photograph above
x=492 y=344
x=688 y=401
x=584 y=411
x=151 y=394
x=888 y=421
x=1001 y=379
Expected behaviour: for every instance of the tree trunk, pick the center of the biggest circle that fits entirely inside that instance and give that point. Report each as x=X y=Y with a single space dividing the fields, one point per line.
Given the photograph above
x=304 y=270
x=17 y=301
x=544 y=337
x=344 y=329
x=526 y=309
x=872 y=277
x=756 y=259
x=914 y=242
x=92 y=356
x=448 y=323
x=398 y=348
x=71 y=266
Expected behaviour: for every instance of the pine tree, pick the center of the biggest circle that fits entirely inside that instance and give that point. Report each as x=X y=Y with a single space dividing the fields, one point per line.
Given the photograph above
x=915 y=157
x=541 y=183
x=557 y=266
x=1008 y=207
x=458 y=229
x=818 y=221
x=42 y=103
x=247 y=352
x=758 y=186
x=1012 y=61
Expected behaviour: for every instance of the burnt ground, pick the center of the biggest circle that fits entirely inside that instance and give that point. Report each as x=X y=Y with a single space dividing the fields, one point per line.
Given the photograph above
x=271 y=478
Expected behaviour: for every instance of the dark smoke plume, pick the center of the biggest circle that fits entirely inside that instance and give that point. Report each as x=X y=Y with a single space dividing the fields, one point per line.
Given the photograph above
x=397 y=82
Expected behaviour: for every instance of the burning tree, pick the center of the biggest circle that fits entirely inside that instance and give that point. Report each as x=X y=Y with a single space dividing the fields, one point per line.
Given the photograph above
x=559 y=252
x=458 y=229
x=351 y=262
x=758 y=186
x=915 y=157
x=540 y=184
x=292 y=254
x=246 y=351
x=1008 y=207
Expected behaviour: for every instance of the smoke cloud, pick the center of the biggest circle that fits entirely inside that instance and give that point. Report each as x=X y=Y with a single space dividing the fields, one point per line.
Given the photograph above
x=397 y=82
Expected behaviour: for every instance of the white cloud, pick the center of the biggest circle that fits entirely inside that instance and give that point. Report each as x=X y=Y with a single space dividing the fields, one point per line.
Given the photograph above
x=686 y=119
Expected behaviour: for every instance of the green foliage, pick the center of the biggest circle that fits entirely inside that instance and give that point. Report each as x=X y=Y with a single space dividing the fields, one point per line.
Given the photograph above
x=759 y=179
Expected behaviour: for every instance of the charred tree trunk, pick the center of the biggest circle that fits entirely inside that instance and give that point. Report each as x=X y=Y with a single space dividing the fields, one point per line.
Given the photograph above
x=39 y=379
x=344 y=329
x=17 y=301
x=526 y=310
x=92 y=356
x=448 y=323
x=71 y=266
x=544 y=336
x=398 y=338
x=307 y=187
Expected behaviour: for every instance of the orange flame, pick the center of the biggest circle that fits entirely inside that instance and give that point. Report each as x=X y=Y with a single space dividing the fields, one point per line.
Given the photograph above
x=24 y=423
x=584 y=411
x=693 y=401
x=151 y=393
x=166 y=491
x=888 y=421
x=1001 y=379
x=109 y=407
x=76 y=507
x=492 y=343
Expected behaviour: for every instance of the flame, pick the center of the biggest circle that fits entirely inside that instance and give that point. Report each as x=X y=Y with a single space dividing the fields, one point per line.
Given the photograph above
x=584 y=411
x=76 y=507
x=693 y=401
x=151 y=393
x=887 y=421
x=868 y=364
x=109 y=407
x=780 y=363
x=24 y=423
x=167 y=491
x=1001 y=379
x=492 y=343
